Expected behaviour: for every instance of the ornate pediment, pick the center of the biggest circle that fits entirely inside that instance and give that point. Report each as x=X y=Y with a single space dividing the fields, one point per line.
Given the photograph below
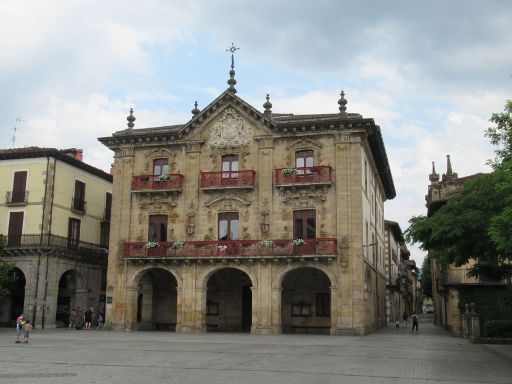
x=230 y=131
x=156 y=202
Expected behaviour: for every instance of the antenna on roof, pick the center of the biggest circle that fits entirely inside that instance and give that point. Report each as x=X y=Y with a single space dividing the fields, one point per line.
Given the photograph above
x=18 y=120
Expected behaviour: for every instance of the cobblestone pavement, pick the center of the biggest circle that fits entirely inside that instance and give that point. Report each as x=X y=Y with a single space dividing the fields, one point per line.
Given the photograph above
x=389 y=356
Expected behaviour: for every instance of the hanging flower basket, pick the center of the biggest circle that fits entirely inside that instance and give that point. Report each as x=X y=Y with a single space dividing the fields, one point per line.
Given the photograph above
x=297 y=242
x=288 y=171
x=178 y=244
x=151 y=244
x=267 y=243
x=222 y=248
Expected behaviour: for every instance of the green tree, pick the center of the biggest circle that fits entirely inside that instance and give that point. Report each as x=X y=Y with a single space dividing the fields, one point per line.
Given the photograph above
x=476 y=224
x=426 y=277
x=6 y=277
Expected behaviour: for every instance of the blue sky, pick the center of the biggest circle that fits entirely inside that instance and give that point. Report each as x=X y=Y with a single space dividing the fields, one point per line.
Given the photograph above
x=430 y=74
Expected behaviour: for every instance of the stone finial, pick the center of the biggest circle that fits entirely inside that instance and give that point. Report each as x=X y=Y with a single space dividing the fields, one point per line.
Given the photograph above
x=195 y=111
x=268 y=106
x=232 y=81
x=449 y=175
x=131 y=119
x=433 y=177
x=343 y=103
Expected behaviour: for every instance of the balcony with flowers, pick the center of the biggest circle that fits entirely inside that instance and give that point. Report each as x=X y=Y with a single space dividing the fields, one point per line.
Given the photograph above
x=228 y=180
x=157 y=183
x=232 y=249
x=292 y=177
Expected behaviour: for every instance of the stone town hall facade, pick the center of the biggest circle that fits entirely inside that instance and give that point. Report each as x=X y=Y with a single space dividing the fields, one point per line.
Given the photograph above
x=241 y=220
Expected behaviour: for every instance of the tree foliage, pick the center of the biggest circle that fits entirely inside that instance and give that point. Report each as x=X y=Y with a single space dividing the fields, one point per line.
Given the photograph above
x=6 y=277
x=426 y=277
x=476 y=224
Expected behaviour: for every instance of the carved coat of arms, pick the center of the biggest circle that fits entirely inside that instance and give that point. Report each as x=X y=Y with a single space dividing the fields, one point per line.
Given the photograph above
x=229 y=131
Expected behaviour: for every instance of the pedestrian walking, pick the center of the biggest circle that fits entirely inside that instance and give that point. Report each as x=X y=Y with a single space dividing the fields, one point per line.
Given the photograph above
x=404 y=318
x=20 y=321
x=27 y=328
x=88 y=318
x=72 y=318
x=397 y=324
x=414 y=323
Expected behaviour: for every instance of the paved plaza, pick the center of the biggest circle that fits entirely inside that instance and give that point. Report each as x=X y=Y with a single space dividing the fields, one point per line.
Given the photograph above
x=389 y=356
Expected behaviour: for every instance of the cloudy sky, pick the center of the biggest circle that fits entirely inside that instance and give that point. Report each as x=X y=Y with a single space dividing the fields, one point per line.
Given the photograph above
x=429 y=73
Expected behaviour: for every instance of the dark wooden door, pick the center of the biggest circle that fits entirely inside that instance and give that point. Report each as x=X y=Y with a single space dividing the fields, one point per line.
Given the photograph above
x=73 y=233
x=15 y=228
x=160 y=168
x=304 y=227
x=304 y=160
x=79 y=198
x=19 y=187
x=157 y=228
x=228 y=226
x=230 y=168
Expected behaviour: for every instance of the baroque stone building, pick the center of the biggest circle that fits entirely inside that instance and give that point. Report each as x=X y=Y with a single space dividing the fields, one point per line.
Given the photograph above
x=242 y=220
x=55 y=226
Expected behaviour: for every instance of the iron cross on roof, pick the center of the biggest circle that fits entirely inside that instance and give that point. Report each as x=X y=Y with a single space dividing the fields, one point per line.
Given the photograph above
x=232 y=49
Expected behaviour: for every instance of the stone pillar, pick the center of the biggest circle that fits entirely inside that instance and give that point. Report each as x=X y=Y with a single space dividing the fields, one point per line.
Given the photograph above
x=130 y=321
x=475 y=324
x=334 y=311
x=199 y=312
x=179 y=299
x=466 y=321
x=277 y=327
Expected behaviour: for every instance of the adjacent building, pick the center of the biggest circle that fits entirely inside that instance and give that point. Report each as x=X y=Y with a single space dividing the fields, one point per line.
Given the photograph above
x=55 y=220
x=248 y=220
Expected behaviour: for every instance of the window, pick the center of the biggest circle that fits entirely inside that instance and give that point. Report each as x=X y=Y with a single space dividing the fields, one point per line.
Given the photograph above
x=304 y=224
x=79 y=197
x=19 y=186
x=303 y=160
x=301 y=309
x=323 y=304
x=230 y=168
x=104 y=234
x=160 y=167
x=365 y=176
x=157 y=228
x=228 y=226
x=15 y=228
x=212 y=309
x=108 y=206
x=73 y=233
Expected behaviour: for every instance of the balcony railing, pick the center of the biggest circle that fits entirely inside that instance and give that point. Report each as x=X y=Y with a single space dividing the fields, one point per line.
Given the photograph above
x=456 y=276
x=231 y=179
x=78 y=205
x=16 y=197
x=234 y=248
x=71 y=247
x=321 y=174
x=156 y=183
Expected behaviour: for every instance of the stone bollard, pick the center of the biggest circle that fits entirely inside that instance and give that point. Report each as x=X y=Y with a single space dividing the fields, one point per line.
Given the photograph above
x=466 y=323
x=475 y=324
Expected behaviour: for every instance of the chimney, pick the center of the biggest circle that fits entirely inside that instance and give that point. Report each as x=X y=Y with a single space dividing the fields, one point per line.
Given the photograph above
x=79 y=154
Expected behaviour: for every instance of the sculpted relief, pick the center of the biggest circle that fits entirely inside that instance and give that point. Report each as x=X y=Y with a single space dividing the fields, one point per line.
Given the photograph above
x=230 y=131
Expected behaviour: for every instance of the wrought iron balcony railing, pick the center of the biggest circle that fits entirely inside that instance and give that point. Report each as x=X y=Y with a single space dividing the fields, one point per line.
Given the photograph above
x=19 y=244
x=231 y=179
x=16 y=197
x=172 y=182
x=234 y=248
x=78 y=205
x=321 y=174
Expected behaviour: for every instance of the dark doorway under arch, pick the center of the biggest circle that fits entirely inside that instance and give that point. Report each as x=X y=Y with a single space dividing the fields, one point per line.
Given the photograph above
x=306 y=302
x=229 y=301
x=12 y=305
x=157 y=301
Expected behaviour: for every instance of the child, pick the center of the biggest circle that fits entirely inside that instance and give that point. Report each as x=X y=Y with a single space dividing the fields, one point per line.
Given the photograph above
x=20 y=321
x=27 y=328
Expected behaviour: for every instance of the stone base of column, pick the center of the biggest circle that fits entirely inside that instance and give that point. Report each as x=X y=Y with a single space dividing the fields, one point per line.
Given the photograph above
x=262 y=330
x=189 y=329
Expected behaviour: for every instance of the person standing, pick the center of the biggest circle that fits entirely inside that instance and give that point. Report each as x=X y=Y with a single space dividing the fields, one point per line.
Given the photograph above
x=88 y=318
x=72 y=318
x=414 y=323
x=20 y=321
x=27 y=328
x=101 y=320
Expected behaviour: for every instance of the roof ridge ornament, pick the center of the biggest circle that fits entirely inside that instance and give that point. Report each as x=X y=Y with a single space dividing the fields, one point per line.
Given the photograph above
x=449 y=175
x=342 y=102
x=131 y=119
x=433 y=177
x=268 y=106
x=195 y=111
x=232 y=81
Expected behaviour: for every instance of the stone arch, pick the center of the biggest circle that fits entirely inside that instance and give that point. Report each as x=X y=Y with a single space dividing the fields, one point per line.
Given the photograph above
x=13 y=304
x=159 y=153
x=277 y=281
x=202 y=281
x=135 y=275
x=70 y=294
